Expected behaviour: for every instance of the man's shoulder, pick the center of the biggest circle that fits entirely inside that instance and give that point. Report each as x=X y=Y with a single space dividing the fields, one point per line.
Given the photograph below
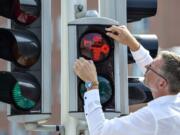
x=164 y=107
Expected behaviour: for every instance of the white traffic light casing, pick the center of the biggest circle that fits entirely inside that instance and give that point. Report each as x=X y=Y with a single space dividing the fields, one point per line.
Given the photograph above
x=28 y=46
x=88 y=39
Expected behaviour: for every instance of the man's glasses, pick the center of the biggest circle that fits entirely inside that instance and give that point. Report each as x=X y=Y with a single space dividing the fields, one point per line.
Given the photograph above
x=148 y=67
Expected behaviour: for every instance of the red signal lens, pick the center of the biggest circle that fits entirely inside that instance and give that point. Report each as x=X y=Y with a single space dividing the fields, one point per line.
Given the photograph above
x=94 y=46
x=105 y=48
x=22 y=16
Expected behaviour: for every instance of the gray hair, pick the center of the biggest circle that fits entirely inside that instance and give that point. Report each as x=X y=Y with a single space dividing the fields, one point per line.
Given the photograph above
x=171 y=70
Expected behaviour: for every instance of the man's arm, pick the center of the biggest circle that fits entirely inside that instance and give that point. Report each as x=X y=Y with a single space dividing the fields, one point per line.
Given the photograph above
x=139 y=123
x=123 y=36
x=142 y=58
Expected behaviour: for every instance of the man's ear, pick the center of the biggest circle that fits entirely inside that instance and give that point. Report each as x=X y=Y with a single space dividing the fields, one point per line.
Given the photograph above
x=162 y=84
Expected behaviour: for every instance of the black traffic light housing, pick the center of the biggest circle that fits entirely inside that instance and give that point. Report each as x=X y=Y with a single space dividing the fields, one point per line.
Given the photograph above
x=25 y=15
x=22 y=47
x=138 y=92
x=22 y=90
x=25 y=45
x=138 y=9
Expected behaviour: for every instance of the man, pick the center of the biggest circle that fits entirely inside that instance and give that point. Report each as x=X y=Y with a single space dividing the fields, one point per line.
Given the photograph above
x=162 y=75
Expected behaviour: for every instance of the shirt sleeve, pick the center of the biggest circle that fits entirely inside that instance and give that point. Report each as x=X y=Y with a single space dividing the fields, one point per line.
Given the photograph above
x=139 y=123
x=142 y=58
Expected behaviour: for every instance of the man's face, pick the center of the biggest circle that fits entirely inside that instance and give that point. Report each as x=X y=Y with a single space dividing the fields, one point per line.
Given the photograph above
x=153 y=76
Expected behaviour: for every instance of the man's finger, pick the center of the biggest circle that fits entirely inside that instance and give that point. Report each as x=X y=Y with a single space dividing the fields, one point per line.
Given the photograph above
x=114 y=36
x=77 y=64
x=84 y=61
x=119 y=29
x=91 y=62
x=122 y=26
x=112 y=29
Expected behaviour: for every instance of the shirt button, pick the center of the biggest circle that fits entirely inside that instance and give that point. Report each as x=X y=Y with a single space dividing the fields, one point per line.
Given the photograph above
x=85 y=97
x=86 y=114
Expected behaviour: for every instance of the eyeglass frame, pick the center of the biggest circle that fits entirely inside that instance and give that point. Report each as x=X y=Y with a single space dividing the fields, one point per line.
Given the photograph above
x=148 y=67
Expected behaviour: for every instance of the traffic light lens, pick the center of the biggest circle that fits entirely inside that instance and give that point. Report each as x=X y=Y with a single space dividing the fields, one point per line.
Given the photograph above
x=22 y=11
x=105 y=89
x=22 y=14
x=94 y=46
x=21 y=101
x=19 y=46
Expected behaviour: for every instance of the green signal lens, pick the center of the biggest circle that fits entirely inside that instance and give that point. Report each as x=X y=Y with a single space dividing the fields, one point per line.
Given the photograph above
x=105 y=89
x=21 y=101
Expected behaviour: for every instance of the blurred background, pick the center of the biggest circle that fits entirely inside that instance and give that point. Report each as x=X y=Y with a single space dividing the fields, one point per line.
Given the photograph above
x=165 y=25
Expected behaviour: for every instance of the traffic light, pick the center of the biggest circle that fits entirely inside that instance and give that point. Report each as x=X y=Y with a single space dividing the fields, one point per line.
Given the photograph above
x=27 y=84
x=137 y=10
x=138 y=92
x=87 y=38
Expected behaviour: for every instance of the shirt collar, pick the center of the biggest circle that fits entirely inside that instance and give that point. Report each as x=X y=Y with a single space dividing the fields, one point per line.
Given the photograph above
x=165 y=99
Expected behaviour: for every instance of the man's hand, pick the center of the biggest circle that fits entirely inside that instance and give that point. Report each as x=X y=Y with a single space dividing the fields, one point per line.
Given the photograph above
x=123 y=36
x=85 y=70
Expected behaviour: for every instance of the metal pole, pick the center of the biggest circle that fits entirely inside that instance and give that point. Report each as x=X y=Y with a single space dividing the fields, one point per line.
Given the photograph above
x=106 y=8
x=67 y=14
x=17 y=129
